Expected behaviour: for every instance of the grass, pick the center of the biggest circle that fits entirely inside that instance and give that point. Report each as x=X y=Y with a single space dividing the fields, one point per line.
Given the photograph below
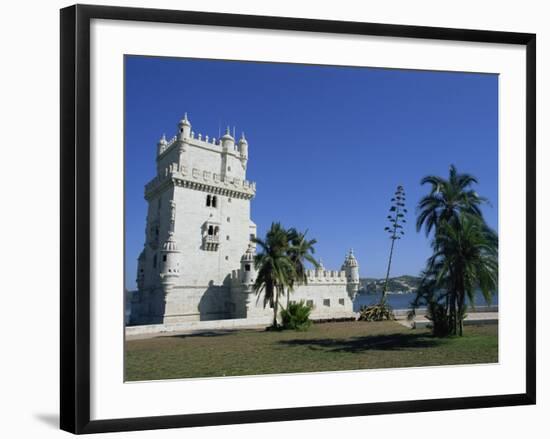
x=325 y=347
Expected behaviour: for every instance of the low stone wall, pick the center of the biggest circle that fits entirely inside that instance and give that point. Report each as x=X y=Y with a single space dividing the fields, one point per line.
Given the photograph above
x=420 y=312
x=197 y=326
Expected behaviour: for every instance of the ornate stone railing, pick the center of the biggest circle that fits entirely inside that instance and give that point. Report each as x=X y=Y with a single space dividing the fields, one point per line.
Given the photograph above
x=211 y=242
x=202 y=180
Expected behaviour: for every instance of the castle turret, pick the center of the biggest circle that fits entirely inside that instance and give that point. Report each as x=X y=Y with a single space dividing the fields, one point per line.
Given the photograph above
x=184 y=128
x=161 y=145
x=320 y=269
x=169 y=268
x=243 y=147
x=351 y=267
x=248 y=273
x=141 y=270
x=227 y=141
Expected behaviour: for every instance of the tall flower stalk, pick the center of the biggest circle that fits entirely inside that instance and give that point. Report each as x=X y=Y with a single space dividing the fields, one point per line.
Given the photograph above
x=396 y=219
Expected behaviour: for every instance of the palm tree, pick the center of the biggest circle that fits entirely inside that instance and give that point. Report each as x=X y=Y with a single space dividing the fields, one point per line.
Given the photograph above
x=275 y=269
x=465 y=258
x=300 y=251
x=447 y=200
x=465 y=248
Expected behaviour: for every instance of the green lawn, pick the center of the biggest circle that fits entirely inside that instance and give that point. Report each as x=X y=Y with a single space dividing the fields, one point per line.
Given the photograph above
x=325 y=347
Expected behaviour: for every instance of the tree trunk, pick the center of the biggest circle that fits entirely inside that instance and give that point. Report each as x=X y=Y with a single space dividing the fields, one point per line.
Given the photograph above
x=275 y=308
x=460 y=299
x=461 y=314
x=453 y=313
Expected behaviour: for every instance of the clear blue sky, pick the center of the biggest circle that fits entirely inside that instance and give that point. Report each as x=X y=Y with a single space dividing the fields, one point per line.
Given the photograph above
x=327 y=145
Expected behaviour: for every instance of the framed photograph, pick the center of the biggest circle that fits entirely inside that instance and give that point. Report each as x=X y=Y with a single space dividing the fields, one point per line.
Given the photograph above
x=275 y=218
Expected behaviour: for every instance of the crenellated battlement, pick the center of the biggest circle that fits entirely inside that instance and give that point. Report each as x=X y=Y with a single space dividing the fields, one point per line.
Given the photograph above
x=325 y=276
x=209 y=143
x=314 y=277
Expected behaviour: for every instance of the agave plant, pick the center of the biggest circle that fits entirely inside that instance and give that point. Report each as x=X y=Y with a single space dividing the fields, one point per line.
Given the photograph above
x=376 y=312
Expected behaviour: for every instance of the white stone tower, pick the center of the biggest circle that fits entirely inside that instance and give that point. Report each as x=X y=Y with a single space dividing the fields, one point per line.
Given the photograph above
x=197 y=262
x=198 y=227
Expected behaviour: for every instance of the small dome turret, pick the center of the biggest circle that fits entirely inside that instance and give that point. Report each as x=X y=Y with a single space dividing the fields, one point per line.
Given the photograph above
x=243 y=146
x=184 y=128
x=248 y=272
x=351 y=267
x=170 y=244
x=227 y=140
x=350 y=259
x=169 y=264
x=161 y=145
x=248 y=256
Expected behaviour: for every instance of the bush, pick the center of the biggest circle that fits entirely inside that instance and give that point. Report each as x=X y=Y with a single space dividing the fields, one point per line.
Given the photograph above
x=296 y=316
x=437 y=314
x=376 y=313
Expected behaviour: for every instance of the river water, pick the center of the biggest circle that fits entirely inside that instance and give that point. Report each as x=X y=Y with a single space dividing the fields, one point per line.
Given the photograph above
x=403 y=301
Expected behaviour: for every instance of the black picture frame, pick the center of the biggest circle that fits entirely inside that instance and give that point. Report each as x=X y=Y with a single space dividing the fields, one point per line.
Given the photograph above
x=75 y=217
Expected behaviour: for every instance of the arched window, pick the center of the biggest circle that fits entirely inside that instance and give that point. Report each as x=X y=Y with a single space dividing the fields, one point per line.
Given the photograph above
x=214 y=201
x=208 y=200
x=210 y=230
x=216 y=230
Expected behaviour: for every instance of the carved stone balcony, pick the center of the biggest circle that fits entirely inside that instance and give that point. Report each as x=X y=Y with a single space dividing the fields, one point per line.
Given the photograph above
x=211 y=243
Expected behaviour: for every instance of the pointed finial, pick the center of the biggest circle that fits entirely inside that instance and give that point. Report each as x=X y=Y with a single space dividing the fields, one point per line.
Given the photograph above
x=242 y=137
x=185 y=117
x=227 y=130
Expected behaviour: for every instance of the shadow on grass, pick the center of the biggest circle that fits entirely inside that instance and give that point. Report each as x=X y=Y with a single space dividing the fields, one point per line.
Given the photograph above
x=388 y=342
x=214 y=333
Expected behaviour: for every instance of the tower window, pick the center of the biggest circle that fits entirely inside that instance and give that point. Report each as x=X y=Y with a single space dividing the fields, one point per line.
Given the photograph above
x=216 y=230
x=252 y=236
x=229 y=200
x=210 y=230
x=208 y=200
x=341 y=301
x=228 y=219
x=227 y=238
x=229 y=168
x=227 y=258
x=163 y=258
x=247 y=267
x=214 y=201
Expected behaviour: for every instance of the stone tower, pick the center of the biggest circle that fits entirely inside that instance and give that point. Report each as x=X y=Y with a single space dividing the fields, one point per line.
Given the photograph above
x=198 y=227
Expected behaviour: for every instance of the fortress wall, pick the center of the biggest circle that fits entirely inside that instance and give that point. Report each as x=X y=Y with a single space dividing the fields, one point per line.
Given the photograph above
x=188 y=304
x=329 y=300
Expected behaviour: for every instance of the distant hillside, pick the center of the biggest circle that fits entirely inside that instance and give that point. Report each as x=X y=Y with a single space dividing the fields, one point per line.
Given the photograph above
x=403 y=284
